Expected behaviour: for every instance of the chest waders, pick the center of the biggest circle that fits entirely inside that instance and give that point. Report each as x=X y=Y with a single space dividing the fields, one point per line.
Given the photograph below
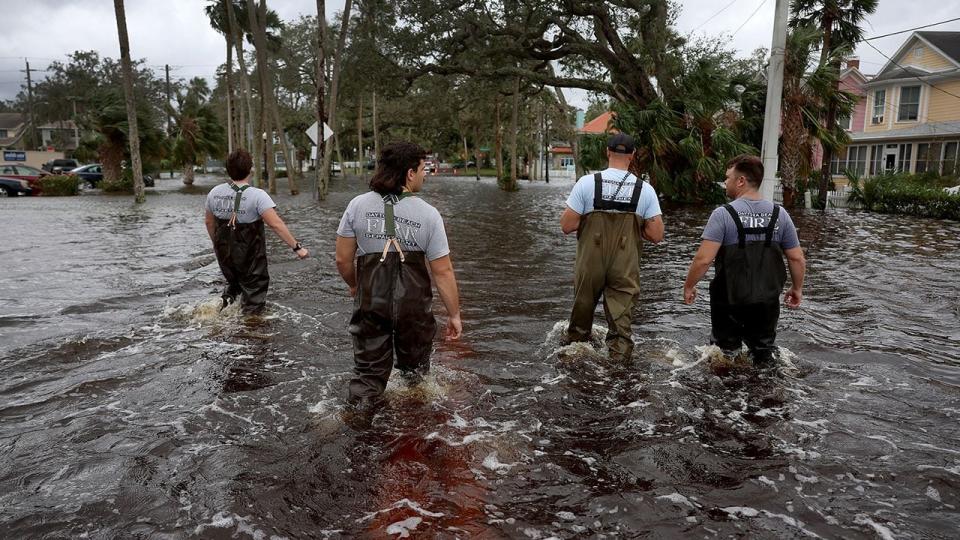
x=242 y=255
x=745 y=291
x=392 y=313
x=609 y=243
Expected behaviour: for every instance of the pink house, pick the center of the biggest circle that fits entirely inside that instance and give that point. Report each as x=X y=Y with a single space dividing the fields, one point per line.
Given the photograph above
x=852 y=80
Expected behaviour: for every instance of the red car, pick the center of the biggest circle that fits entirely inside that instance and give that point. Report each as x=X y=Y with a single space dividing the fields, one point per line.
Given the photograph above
x=24 y=172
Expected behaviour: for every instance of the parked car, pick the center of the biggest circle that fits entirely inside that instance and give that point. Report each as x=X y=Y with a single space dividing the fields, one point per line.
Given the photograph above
x=89 y=174
x=430 y=166
x=24 y=172
x=335 y=168
x=60 y=166
x=13 y=187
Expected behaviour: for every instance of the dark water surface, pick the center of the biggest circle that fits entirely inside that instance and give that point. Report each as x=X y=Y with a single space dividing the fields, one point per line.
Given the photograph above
x=130 y=409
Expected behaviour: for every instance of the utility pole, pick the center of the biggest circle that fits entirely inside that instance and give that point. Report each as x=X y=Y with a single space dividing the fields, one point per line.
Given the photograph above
x=33 y=128
x=771 y=121
x=166 y=68
x=76 y=132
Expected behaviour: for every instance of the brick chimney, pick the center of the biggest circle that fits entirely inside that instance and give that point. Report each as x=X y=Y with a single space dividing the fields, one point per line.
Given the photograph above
x=853 y=62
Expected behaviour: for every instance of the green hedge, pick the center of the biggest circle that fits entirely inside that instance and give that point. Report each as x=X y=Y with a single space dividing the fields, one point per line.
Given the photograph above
x=59 y=185
x=915 y=195
x=124 y=184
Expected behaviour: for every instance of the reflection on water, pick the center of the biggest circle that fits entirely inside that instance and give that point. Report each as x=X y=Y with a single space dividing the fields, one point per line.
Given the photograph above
x=132 y=406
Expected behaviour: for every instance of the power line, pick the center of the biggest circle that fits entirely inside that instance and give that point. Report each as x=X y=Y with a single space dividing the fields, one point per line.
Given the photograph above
x=724 y=8
x=748 y=18
x=911 y=29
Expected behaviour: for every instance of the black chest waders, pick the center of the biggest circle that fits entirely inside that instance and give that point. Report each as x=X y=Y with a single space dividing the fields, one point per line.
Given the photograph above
x=609 y=243
x=392 y=322
x=745 y=291
x=242 y=255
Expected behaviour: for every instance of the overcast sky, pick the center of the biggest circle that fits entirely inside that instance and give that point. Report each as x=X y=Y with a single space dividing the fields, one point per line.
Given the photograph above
x=177 y=32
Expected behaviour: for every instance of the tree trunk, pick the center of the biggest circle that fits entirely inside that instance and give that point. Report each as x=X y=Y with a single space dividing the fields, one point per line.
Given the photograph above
x=376 y=129
x=476 y=151
x=322 y=175
x=188 y=174
x=270 y=108
x=229 y=80
x=252 y=140
x=514 y=128
x=498 y=141
x=133 y=133
x=361 y=166
x=334 y=92
x=831 y=119
x=572 y=130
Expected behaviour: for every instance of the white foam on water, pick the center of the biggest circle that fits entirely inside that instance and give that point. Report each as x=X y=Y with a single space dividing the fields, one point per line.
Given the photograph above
x=741 y=511
x=403 y=528
x=884 y=439
x=491 y=462
x=883 y=532
x=567 y=516
x=747 y=512
x=678 y=499
x=933 y=493
x=402 y=503
x=952 y=470
x=242 y=525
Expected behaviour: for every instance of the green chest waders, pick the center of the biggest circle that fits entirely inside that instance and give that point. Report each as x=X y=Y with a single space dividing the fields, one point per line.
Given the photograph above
x=393 y=318
x=745 y=291
x=242 y=255
x=609 y=243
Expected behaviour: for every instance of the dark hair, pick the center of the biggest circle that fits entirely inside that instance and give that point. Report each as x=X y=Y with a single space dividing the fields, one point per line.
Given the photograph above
x=239 y=164
x=749 y=166
x=392 y=165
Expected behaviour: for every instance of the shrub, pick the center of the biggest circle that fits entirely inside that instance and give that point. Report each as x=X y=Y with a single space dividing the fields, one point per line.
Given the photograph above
x=901 y=193
x=123 y=185
x=59 y=185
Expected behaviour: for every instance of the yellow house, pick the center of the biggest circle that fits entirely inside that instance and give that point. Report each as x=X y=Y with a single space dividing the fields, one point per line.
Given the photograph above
x=912 y=110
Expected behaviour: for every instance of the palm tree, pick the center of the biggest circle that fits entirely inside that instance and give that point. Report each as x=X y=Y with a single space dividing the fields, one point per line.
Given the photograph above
x=198 y=132
x=108 y=119
x=134 y=137
x=839 y=21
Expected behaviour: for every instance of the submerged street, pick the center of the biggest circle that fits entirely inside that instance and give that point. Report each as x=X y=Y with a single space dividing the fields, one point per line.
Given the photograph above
x=130 y=408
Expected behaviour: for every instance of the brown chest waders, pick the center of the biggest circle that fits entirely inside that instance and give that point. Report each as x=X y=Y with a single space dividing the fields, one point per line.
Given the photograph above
x=241 y=251
x=745 y=291
x=392 y=314
x=609 y=243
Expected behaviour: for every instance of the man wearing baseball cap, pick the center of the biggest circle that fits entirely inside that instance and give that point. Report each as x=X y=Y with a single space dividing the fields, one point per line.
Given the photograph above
x=612 y=211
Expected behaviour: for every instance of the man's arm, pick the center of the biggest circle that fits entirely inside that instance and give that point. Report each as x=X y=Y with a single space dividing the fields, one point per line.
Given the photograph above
x=653 y=229
x=569 y=221
x=272 y=219
x=442 y=270
x=698 y=268
x=210 y=221
x=346 y=251
x=798 y=269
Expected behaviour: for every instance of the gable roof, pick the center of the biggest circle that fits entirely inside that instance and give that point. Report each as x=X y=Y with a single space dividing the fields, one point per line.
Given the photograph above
x=947 y=43
x=599 y=125
x=950 y=40
x=11 y=120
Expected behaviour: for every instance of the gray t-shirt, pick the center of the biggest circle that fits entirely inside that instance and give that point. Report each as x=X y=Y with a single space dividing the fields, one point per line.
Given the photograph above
x=721 y=228
x=419 y=225
x=581 y=196
x=253 y=203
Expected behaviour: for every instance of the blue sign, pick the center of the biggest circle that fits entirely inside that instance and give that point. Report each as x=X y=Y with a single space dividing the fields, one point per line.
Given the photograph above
x=14 y=155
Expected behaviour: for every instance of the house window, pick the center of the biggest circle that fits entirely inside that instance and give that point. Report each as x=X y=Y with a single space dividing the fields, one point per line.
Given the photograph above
x=928 y=158
x=845 y=122
x=879 y=102
x=918 y=52
x=876 y=163
x=855 y=162
x=3 y=134
x=950 y=163
x=903 y=164
x=566 y=162
x=909 y=103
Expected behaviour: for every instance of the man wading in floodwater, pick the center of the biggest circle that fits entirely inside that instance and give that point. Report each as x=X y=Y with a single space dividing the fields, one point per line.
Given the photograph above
x=236 y=212
x=748 y=238
x=612 y=211
x=385 y=241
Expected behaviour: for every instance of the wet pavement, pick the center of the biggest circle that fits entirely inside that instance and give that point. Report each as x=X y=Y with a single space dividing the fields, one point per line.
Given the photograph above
x=130 y=408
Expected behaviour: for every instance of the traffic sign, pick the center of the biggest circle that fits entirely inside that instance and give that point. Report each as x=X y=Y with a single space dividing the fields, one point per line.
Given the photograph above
x=312 y=132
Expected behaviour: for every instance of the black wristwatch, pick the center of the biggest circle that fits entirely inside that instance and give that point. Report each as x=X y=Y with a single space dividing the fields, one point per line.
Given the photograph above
x=297 y=247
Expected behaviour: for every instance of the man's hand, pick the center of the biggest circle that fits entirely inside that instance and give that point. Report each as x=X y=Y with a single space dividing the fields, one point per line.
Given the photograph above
x=454 y=328
x=353 y=291
x=793 y=297
x=689 y=295
x=302 y=253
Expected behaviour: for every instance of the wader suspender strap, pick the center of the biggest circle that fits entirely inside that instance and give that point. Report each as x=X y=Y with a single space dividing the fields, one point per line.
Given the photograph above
x=390 y=227
x=599 y=203
x=742 y=231
x=236 y=203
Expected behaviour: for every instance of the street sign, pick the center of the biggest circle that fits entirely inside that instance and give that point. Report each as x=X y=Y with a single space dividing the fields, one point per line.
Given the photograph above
x=14 y=155
x=312 y=132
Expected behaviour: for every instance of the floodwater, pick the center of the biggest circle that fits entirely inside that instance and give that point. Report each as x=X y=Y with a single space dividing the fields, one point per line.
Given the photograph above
x=130 y=409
